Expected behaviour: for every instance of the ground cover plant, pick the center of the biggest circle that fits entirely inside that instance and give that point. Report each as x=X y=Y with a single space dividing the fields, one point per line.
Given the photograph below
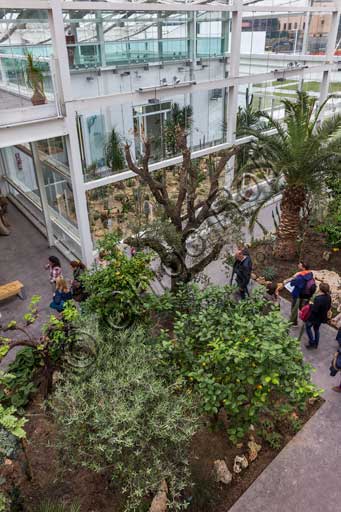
x=124 y=417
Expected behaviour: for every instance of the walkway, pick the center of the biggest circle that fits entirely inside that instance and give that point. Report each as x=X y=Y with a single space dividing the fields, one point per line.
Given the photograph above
x=8 y=100
x=306 y=475
x=23 y=255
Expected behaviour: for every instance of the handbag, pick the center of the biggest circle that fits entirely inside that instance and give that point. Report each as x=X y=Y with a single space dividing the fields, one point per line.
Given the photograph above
x=305 y=312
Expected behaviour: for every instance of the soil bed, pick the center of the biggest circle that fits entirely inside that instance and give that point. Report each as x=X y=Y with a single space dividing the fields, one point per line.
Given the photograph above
x=96 y=493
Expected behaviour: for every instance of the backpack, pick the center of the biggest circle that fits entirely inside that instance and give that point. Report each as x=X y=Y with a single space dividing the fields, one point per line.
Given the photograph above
x=310 y=288
x=305 y=312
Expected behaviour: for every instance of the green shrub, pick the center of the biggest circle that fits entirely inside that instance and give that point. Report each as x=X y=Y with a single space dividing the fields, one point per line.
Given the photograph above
x=269 y=273
x=236 y=356
x=115 y=290
x=126 y=418
x=332 y=224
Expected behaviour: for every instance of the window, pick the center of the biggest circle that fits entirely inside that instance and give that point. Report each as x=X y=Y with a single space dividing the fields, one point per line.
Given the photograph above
x=303 y=25
x=295 y=26
x=284 y=26
x=289 y=26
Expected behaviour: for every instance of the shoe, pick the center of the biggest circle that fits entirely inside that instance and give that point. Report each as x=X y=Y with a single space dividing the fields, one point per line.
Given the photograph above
x=337 y=389
x=309 y=347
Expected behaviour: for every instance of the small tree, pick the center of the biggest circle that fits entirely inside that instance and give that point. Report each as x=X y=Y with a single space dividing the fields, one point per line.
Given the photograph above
x=192 y=229
x=113 y=152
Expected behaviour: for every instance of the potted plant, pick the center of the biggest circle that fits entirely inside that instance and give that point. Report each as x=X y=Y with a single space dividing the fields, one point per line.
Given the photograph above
x=35 y=81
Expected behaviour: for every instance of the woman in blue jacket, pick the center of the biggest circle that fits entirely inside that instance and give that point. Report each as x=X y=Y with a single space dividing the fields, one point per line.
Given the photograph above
x=304 y=288
x=61 y=295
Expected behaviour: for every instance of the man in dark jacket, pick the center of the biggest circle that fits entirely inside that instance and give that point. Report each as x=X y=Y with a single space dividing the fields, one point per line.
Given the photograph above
x=304 y=288
x=318 y=315
x=242 y=269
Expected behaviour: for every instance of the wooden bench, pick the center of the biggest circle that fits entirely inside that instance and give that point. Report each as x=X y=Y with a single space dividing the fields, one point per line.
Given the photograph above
x=11 y=289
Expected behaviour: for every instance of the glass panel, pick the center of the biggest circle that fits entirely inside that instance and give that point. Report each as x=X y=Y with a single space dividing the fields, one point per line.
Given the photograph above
x=202 y=114
x=19 y=167
x=127 y=206
x=25 y=33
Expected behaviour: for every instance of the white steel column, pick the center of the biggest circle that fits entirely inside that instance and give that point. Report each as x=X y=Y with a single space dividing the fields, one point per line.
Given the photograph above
x=42 y=193
x=75 y=162
x=232 y=105
x=330 y=50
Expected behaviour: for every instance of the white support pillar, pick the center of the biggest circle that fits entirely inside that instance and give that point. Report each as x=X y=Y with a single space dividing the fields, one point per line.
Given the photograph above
x=42 y=193
x=72 y=142
x=331 y=44
x=78 y=188
x=56 y=23
x=100 y=37
x=306 y=28
x=232 y=106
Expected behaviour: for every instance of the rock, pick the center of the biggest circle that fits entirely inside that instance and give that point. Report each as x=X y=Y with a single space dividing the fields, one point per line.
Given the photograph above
x=240 y=463
x=334 y=281
x=326 y=255
x=222 y=472
x=254 y=448
x=159 y=503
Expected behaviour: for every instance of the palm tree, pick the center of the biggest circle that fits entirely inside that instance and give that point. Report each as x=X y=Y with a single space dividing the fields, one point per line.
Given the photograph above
x=298 y=157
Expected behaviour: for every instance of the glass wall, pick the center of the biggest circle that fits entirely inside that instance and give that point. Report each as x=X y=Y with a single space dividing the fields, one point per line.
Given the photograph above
x=203 y=114
x=25 y=34
x=48 y=159
x=127 y=206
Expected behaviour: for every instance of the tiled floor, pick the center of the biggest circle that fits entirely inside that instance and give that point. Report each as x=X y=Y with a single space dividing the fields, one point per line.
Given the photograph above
x=23 y=255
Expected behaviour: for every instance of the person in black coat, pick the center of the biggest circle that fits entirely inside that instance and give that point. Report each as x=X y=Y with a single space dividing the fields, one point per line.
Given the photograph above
x=242 y=269
x=318 y=315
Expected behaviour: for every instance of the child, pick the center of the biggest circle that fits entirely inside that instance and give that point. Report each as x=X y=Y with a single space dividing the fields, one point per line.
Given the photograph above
x=61 y=295
x=55 y=269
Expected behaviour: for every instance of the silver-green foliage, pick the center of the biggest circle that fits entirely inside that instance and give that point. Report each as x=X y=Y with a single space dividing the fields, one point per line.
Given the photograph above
x=125 y=417
x=50 y=506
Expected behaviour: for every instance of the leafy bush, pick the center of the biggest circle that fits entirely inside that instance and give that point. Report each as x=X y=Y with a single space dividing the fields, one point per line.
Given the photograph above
x=332 y=225
x=17 y=384
x=115 y=290
x=237 y=356
x=126 y=418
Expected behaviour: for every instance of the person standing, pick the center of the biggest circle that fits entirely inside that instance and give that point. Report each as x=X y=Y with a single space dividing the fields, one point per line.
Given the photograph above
x=304 y=287
x=77 y=288
x=242 y=269
x=318 y=315
x=55 y=269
